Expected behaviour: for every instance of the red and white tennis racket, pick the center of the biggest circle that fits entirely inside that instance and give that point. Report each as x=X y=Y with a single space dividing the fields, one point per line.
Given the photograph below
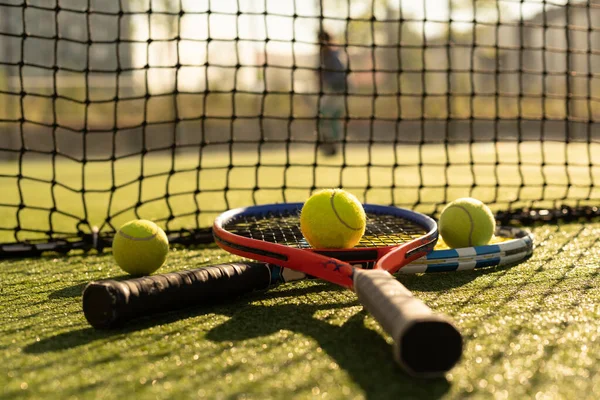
x=425 y=344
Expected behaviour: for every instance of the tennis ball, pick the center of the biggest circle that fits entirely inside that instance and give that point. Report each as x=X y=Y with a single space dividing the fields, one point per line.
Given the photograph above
x=332 y=218
x=466 y=222
x=140 y=247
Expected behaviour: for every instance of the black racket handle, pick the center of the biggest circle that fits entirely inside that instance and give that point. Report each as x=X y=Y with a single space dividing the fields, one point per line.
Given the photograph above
x=111 y=303
x=425 y=344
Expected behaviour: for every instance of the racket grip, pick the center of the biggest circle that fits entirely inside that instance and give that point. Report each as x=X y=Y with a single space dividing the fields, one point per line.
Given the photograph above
x=110 y=303
x=425 y=344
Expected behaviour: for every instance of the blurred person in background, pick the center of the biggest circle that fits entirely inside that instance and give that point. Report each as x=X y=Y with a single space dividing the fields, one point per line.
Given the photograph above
x=333 y=83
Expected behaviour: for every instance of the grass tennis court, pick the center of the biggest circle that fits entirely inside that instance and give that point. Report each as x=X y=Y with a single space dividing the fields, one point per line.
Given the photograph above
x=530 y=330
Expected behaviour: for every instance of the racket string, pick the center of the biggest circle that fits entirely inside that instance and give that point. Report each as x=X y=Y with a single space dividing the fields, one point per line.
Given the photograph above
x=284 y=228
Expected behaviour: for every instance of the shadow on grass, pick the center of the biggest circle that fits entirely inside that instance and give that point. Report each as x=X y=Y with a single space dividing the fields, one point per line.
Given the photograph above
x=81 y=337
x=440 y=281
x=362 y=353
x=69 y=291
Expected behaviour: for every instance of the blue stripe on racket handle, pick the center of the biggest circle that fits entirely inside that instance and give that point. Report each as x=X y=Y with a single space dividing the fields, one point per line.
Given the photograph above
x=465 y=264
x=513 y=246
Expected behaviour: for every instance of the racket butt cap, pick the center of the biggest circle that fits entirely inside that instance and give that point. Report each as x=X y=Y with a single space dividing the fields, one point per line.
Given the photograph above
x=429 y=348
x=99 y=300
x=425 y=344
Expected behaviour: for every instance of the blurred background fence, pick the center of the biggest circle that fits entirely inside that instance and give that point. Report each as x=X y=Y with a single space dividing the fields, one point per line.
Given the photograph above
x=181 y=71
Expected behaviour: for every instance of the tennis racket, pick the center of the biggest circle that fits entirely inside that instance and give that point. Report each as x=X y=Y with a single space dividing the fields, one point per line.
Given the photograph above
x=425 y=344
x=110 y=303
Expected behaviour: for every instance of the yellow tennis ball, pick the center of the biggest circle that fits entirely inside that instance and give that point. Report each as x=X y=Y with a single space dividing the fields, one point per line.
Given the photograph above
x=466 y=222
x=140 y=247
x=333 y=218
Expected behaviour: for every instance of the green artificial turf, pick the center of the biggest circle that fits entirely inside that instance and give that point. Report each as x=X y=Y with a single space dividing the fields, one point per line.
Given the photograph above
x=531 y=331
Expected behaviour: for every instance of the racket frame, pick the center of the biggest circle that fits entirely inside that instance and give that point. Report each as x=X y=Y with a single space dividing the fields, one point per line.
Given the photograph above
x=390 y=258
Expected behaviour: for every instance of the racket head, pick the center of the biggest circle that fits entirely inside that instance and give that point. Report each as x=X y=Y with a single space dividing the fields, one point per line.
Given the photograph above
x=271 y=233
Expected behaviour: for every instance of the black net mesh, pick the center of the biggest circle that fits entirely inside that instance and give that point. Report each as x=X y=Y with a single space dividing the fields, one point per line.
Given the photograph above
x=176 y=110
